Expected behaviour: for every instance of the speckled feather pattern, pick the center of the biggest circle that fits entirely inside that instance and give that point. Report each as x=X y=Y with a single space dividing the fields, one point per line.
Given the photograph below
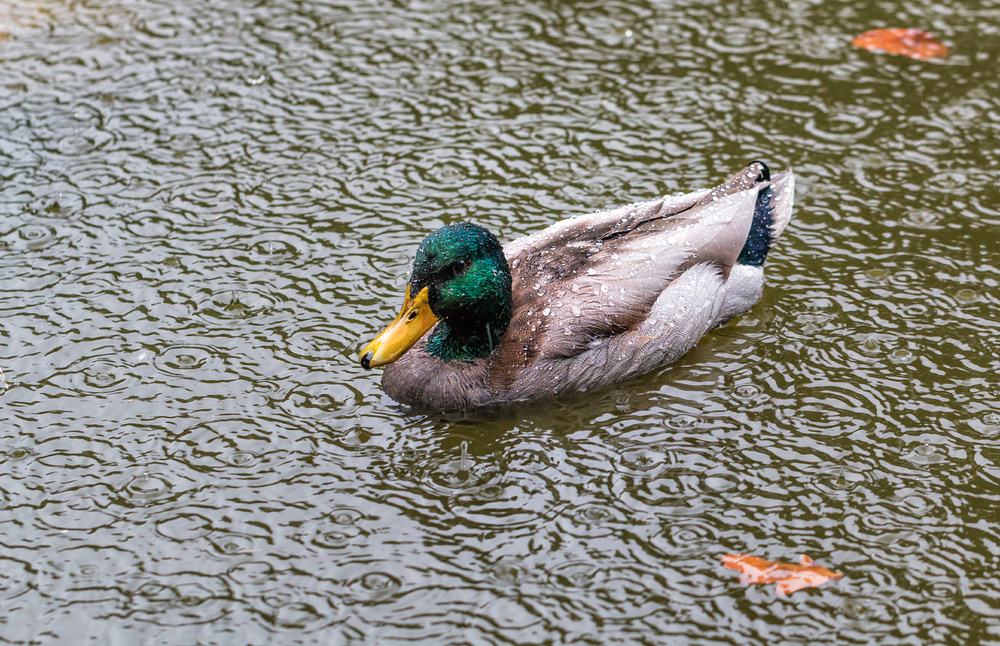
x=603 y=297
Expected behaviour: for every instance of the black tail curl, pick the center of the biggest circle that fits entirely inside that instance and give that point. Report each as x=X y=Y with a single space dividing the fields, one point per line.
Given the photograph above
x=759 y=241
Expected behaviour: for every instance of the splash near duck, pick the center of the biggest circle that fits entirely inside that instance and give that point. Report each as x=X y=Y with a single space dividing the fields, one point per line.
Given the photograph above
x=587 y=302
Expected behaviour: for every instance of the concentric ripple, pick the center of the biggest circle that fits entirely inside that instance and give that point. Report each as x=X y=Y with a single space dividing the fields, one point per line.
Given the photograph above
x=644 y=462
x=99 y=376
x=320 y=401
x=576 y=575
x=56 y=205
x=237 y=305
x=376 y=586
x=148 y=488
x=15 y=578
x=270 y=250
x=35 y=237
x=684 y=537
x=591 y=520
x=340 y=529
x=77 y=514
x=523 y=502
x=838 y=482
x=251 y=572
x=190 y=361
x=184 y=527
x=295 y=615
x=464 y=472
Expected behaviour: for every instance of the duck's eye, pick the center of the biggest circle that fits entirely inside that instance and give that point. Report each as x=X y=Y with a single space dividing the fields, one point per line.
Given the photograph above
x=456 y=268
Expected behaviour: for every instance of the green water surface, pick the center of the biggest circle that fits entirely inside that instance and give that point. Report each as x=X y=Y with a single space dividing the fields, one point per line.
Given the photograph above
x=207 y=206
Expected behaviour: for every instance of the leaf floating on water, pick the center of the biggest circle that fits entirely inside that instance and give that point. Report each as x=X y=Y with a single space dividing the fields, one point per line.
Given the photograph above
x=788 y=576
x=915 y=43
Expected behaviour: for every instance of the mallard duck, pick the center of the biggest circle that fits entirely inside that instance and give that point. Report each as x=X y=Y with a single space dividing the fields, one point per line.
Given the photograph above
x=589 y=301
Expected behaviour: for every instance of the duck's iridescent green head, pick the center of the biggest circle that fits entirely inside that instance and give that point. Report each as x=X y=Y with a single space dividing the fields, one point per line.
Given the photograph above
x=460 y=281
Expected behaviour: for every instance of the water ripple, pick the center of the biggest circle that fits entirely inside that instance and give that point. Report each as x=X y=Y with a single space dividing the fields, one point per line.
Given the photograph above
x=77 y=514
x=190 y=361
x=207 y=205
x=237 y=305
x=515 y=503
x=184 y=527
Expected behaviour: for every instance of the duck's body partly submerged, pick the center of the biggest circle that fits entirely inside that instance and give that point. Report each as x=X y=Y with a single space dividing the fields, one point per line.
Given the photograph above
x=593 y=300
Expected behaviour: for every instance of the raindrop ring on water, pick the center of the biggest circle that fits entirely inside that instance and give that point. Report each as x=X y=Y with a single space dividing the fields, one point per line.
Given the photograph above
x=147 y=488
x=925 y=454
x=251 y=572
x=20 y=453
x=902 y=357
x=746 y=393
x=232 y=545
x=574 y=575
x=378 y=584
x=683 y=422
x=988 y=425
x=295 y=615
x=643 y=461
x=508 y=571
x=243 y=459
x=966 y=296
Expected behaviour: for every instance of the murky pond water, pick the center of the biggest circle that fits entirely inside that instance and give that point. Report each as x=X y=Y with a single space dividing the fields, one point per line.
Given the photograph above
x=205 y=207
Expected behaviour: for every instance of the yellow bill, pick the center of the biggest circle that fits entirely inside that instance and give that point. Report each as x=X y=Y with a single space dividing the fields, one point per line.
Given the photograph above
x=414 y=319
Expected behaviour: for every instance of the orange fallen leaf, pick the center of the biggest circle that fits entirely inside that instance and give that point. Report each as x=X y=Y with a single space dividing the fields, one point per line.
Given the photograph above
x=788 y=576
x=915 y=43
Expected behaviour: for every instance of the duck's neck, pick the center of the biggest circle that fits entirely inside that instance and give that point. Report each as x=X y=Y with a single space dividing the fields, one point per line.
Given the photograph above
x=470 y=339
